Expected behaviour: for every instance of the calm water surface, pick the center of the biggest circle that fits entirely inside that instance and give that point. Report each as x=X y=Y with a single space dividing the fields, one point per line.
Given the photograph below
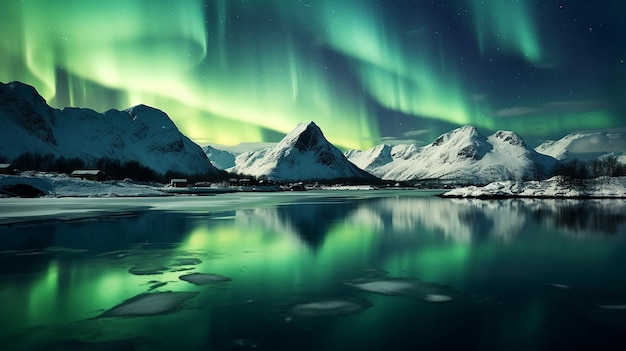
x=312 y=271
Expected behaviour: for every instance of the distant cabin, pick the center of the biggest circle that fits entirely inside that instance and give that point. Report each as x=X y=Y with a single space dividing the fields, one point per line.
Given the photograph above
x=178 y=183
x=5 y=168
x=89 y=174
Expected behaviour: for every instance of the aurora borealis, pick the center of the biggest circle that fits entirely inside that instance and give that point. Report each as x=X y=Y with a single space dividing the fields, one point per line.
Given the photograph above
x=366 y=71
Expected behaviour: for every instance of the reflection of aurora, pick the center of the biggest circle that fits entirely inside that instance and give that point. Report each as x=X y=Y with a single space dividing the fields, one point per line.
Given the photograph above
x=230 y=71
x=77 y=269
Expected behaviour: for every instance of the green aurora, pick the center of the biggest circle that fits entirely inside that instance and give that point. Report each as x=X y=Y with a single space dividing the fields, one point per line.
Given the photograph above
x=365 y=71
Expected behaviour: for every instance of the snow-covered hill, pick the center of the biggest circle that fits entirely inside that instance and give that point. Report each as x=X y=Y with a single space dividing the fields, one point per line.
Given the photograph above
x=585 y=146
x=376 y=159
x=221 y=159
x=304 y=154
x=140 y=133
x=463 y=155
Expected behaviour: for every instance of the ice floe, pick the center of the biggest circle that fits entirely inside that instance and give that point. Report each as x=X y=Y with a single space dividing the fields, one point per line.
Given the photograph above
x=147 y=269
x=187 y=261
x=328 y=308
x=150 y=304
x=409 y=287
x=156 y=285
x=204 y=278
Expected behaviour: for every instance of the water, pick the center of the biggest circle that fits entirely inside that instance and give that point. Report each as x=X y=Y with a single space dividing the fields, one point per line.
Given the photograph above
x=312 y=271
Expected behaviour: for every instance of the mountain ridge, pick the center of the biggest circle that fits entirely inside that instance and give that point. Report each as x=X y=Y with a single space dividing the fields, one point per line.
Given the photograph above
x=462 y=155
x=139 y=133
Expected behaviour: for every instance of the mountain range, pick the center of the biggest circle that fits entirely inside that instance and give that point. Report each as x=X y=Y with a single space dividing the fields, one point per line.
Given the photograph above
x=148 y=136
x=585 y=147
x=462 y=154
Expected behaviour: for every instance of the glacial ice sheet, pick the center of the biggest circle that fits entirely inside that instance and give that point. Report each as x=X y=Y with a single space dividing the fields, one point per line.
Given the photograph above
x=150 y=304
x=328 y=308
x=409 y=287
x=204 y=278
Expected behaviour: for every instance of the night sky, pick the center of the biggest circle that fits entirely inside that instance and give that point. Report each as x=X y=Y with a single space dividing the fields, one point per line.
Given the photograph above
x=365 y=71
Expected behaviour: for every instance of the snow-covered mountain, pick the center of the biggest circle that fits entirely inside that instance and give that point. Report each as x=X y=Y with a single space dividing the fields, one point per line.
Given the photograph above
x=585 y=146
x=375 y=159
x=221 y=159
x=140 y=133
x=304 y=154
x=463 y=155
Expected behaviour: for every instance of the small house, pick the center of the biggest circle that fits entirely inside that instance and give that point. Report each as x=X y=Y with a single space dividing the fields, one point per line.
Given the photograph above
x=244 y=182
x=5 y=168
x=178 y=183
x=89 y=174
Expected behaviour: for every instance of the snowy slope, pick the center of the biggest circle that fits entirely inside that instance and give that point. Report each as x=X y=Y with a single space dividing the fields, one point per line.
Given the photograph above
x=221 y=159
x=304 y=154
x=585 y=146
x=141 y=133
x=376 y=159
x=463 y=155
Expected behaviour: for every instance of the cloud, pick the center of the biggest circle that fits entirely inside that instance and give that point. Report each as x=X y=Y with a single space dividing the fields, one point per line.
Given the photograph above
x=410 y=137
x=552 y=108
x=244 y=147
x=413 y=133
x=516 y=111
x=599 y=142
x=399 y=141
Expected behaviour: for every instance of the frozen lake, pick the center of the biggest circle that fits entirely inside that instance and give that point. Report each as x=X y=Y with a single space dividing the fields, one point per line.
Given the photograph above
x=327 y=270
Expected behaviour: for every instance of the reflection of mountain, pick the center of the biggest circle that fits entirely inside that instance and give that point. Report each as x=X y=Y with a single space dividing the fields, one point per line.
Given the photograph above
x=455 y=220
x=579 y=217
x=309 y=221
x=462 y=221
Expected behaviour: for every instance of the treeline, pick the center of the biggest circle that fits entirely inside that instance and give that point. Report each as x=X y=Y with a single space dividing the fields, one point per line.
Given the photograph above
x=113 y=168
x=47 y=163
x=606 y=167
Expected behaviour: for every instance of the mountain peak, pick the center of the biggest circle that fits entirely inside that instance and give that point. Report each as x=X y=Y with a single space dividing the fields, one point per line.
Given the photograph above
x=510 y=137
x=306 y=136
x=303 y=154
x=584 y=146
x=462 y=134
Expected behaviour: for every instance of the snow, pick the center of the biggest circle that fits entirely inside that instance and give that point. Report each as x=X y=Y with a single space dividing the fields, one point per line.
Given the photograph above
x=62 y=185
x=409 y=287
x=303 y=154
x=556 y=187
x=585 y=146
x=204 y=278
x=221 y=159
x=329 y=308
x=150 y=304
x=140 y=133
x=462 y=155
